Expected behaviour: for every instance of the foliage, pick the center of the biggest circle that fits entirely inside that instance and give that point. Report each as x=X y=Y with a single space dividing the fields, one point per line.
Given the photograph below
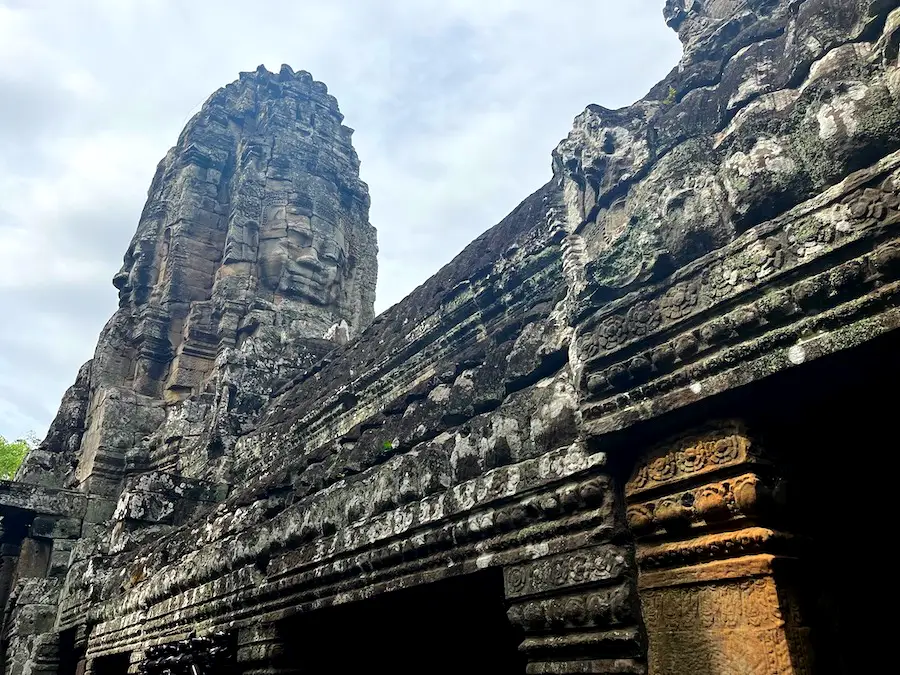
x=11 y=455
x=673 y=95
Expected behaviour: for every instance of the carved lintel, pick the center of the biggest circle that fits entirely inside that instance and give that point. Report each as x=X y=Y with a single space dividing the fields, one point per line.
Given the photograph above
x=679 y=462
x=747 y=541
x=578 y=612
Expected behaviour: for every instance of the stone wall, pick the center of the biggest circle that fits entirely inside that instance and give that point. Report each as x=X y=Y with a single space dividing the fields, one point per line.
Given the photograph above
x=564 y=401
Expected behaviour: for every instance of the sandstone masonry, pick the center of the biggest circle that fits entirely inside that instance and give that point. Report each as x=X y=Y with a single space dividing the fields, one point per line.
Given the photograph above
x=606 y=438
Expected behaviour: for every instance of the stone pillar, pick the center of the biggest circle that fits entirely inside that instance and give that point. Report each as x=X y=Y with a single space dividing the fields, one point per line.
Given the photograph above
x=45 y=660
x=714 y=576
x=9 y=558
x=579 y=611
x=32 y=646
x=261 y=651
x=34 y=559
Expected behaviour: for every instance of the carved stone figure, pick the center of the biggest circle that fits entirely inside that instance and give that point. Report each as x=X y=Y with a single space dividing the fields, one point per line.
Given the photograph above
x=536 y=421
x=226 y=253
x=301 y=256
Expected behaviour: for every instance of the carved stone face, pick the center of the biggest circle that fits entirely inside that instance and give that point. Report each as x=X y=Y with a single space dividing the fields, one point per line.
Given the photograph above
x=680 y=14
x=301 y=256
x=136 y=277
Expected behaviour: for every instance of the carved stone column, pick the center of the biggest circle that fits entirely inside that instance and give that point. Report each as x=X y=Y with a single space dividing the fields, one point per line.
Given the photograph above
x=715 y=574
x=579 y=611
x=261 y=651
x=78 y=652
x=45 y=659
x=9 y=558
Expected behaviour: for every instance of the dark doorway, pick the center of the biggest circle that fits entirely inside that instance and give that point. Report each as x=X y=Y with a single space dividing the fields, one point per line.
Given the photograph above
x=115 y=664
x=832 y=426
x=453 y=626
x=69 y=654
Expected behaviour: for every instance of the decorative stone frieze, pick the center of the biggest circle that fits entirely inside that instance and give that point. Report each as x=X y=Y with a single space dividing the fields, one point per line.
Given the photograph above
x=250 y=443
x=261 y=651
x=579 y=611
x=715 y=587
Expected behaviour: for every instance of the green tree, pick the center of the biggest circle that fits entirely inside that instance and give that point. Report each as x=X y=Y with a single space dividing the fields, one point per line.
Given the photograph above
x=11 y=456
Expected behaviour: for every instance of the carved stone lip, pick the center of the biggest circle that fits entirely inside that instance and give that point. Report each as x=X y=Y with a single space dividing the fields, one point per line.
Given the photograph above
x=307 y=266
x=307 y=275
x=303 y=287
x=307 y=297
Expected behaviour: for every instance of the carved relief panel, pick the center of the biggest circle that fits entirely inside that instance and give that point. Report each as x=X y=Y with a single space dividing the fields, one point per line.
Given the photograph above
x=578 y=611
x=714 y=579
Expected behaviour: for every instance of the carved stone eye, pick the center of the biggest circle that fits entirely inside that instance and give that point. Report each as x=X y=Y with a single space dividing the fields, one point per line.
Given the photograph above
x=300 y=238
x=332 y=254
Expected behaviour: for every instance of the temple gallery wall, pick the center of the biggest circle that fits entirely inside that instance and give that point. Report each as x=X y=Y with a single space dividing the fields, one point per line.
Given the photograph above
x=622 y=432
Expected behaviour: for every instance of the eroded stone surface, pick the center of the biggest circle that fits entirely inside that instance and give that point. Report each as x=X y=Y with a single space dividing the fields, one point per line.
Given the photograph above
x=253 y=243
x=736 y=223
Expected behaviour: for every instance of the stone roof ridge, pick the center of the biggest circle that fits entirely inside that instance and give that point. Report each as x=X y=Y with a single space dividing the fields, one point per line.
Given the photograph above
x=286 y=74
x=240 y=97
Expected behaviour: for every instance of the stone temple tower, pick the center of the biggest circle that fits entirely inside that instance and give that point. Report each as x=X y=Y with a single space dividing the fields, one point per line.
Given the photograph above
x=255 y=231
x=629 y=429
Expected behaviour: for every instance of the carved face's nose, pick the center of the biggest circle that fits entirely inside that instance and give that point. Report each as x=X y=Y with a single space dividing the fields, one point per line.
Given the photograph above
x=120 y=280
x=307 y=257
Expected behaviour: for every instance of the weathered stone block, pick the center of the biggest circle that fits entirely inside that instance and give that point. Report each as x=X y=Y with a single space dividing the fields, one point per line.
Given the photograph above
x=34 y=559
x=99 y=509
x=50 y=527
x=736 y=223
x=60 y=557
x=37 y=591
x=34 y=619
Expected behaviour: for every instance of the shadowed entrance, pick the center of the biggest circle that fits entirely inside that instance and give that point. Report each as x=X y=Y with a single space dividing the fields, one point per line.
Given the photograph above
x=833 y=431
x=116 y=664
x=452 y=626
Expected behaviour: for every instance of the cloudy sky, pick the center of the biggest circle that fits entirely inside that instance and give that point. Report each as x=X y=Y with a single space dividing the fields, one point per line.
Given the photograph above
x=456 y=105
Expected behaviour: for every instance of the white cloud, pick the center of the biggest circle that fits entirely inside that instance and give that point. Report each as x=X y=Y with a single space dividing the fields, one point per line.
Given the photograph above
x=105 y=170
x=456 y=103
